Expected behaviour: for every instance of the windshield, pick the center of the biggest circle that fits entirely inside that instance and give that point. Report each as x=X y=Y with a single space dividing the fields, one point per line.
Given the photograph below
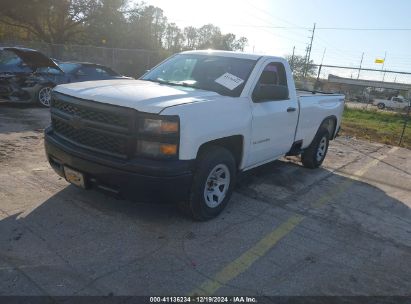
x=96 y=70
x=48 y=70
x=224 y=75
x=68 y=67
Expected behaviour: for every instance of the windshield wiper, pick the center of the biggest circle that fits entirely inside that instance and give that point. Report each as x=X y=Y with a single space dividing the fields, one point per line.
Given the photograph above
x=189 y=85
x=156 y=80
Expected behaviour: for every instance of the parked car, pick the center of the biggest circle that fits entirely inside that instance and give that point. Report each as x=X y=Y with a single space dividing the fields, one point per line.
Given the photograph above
x=187 y=128
x=396 y=103
x=28 y=76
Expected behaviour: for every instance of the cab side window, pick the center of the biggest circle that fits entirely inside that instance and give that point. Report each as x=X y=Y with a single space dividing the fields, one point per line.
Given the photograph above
x=272 y=84
x=273 y=74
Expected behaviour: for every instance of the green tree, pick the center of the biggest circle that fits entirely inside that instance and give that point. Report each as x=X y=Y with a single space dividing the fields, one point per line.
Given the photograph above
x=112 y=23
x=190 y=37
x=299 y=66
x=146 y=27
x=240 y=44
x=174 y=38
x=53 y=21
x=208 y=36
x=108 y=25
x=230 y=43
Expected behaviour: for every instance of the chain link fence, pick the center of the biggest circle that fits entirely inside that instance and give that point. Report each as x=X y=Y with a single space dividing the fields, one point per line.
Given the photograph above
x=129 y=62
x=361 y=86
x=377 y=101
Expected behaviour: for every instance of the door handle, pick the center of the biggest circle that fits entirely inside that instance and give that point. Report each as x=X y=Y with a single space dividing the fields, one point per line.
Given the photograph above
x=291 y=109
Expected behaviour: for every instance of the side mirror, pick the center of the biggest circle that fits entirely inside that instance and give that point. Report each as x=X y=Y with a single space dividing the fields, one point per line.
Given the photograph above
x=270 y=93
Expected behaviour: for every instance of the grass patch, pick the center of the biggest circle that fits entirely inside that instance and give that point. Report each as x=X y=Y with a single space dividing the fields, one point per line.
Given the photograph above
x=383 y=127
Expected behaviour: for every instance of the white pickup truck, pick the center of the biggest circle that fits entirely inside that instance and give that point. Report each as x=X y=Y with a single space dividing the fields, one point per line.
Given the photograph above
x=392 y=103
x=187 y=128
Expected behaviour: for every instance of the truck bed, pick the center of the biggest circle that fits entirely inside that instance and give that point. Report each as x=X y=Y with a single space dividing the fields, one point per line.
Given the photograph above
x=314 y=108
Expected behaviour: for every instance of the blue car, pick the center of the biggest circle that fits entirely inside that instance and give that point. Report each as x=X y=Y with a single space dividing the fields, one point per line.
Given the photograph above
x=28 y=76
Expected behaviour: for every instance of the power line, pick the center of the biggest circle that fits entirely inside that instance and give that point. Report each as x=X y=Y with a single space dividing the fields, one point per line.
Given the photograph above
x=271 y=15
x=318 y=28
x=363 y=69
x=363 y=29
x=270 y=23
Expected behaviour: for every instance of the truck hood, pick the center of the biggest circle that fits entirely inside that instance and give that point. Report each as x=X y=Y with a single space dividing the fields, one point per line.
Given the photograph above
x=140 y=95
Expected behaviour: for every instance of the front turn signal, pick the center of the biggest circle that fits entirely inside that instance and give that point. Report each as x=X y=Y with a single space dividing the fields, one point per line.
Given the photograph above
x=168 y=149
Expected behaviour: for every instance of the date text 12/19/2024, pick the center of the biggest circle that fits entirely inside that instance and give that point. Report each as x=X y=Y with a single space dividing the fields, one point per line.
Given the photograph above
x=203 y=299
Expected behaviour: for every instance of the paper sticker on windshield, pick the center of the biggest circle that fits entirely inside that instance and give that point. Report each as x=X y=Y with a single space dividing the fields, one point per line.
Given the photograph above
x=229 y=81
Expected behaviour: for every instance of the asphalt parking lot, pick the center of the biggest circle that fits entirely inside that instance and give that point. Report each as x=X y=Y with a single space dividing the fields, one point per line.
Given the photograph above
x=344 y=229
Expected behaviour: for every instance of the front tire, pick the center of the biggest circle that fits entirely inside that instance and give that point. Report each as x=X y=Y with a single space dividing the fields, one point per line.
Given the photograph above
x=212 y=186
x=315 y=154
x=44 y=96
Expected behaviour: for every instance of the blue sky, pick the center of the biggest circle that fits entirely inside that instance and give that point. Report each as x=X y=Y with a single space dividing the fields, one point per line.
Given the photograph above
x=253 y=19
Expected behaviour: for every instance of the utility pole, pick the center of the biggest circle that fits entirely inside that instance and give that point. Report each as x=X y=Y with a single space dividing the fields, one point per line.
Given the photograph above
x=317 y=82
x=292 y=60
x=309 y=52
x=305 y=60
x=359 y=70
x=383 y=65
x=385 y=57
x=322 y=59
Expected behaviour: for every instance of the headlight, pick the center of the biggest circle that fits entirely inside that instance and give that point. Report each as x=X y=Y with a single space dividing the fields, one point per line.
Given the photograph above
x=159 y=126
x=156 y=149
x=158 y=136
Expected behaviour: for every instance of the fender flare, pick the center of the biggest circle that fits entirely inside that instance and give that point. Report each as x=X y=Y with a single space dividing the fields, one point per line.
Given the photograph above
x=333 y=131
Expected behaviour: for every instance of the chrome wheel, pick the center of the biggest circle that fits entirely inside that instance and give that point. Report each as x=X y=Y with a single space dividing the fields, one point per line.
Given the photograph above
x=45 y=96
x=217 y=184
x=322 y=149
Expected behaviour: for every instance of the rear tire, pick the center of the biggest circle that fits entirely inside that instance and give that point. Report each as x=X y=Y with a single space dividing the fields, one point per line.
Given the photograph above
x=213 y=184
x=381 y=106
x=315 y=154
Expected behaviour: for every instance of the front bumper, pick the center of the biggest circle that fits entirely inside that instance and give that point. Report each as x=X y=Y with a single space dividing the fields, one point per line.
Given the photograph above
x=137 y=179
x=19 y=94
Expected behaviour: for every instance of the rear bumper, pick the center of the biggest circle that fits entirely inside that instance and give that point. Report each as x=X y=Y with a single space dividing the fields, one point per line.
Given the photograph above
x=137 y=179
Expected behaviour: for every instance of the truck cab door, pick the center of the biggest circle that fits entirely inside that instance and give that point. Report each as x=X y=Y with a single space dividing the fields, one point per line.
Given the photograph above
x=396 y=103
x=274 y=117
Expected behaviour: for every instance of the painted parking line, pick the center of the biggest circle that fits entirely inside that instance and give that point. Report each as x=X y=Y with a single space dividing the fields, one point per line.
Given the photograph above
x=244 y=261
